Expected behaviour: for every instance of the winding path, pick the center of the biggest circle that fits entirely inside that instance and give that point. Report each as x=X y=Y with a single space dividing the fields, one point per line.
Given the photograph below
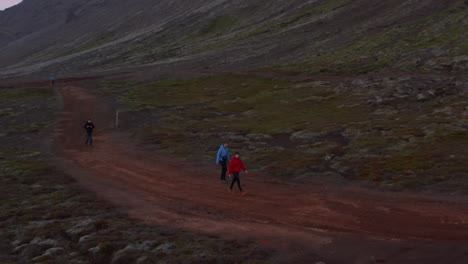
x=304 y=223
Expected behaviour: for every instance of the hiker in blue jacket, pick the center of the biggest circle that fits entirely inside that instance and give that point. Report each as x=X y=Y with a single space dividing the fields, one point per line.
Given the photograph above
x=223 y=159
x=52 y=80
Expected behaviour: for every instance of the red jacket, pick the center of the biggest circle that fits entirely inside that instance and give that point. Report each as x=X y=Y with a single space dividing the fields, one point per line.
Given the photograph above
x=236 y=165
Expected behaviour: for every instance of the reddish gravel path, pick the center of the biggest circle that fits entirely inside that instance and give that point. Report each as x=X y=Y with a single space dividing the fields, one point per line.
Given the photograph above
x=306 y=223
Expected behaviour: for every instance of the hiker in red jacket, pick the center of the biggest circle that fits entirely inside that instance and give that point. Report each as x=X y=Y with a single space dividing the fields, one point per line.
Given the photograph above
x=235 y=166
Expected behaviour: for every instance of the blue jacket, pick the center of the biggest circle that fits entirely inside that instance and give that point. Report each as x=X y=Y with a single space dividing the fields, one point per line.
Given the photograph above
x=223 y=152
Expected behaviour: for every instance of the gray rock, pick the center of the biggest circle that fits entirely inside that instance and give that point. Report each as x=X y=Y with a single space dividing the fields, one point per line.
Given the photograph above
x=50 y=253
x=82 y=228
x=16 y=243
x=41 y=224
x=328 y=157
x=258 y=137
x=95 y=250
x=398 y=146
x=148 y=245
x=446 y=110
x=421 y=97
x=236 y=138
x=360 y=82
x=304 y=135
x=144 y=260
x=378 y=100
x=20 y=248
x=57 y=251
x=29 y=251
x=129 y=254
x=44 y=242
x=384 y=112
x=74 y=254
x=166 y=248
x=339 y=167
x=86 y=238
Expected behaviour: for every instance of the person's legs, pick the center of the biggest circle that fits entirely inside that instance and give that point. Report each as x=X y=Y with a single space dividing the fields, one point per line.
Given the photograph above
x=89 y=139
x=223 y=170
x=234 y=179
x=237 y=178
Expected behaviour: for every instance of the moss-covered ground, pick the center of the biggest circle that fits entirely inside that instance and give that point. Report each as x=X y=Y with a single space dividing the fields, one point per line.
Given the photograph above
x=42 y=208
x=291 y=129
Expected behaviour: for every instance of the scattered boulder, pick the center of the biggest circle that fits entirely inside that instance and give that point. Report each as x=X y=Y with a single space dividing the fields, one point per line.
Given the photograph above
x=422 y=97
x=236 y=138
x=165 y=248
x=82 y=228
x=259 y=137
x=305 y=135
x=126 y=256
x=56 y=251
x=146 y=245
x=144 y=260
x=95 y=250
x=50 y=253
x=86 y=238
x=44 y=242
x=73 y=254
x=28 y=251
x=41 y=224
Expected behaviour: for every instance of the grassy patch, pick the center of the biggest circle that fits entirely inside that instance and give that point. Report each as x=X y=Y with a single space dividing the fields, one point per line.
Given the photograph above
x=305 y=127
x=22 y=94
x=195 y=115
x=29 y=128
x=308 y=12
x=237 y=103
x=218 y=24
x=88 y=45
x=114 y=87
x=305 y=14
x=382 y=50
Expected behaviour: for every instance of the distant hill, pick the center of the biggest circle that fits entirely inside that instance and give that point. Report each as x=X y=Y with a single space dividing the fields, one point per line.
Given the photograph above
x=321 y=36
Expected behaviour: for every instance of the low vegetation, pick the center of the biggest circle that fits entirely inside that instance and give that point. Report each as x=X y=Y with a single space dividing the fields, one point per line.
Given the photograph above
x=294 y=129
x=45 y=217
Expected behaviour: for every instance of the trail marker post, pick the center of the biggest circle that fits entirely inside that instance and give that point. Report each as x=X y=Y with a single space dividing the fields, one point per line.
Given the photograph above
x=117 y=119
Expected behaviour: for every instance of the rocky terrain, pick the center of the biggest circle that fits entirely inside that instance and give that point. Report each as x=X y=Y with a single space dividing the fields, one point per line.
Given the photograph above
x=399 y=132
x=46 y=217
x=337 y=92
x=370 y=84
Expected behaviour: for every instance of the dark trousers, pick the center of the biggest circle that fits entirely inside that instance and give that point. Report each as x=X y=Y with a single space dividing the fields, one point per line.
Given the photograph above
x=235 y=178
x=223 y=169
x=89 y=138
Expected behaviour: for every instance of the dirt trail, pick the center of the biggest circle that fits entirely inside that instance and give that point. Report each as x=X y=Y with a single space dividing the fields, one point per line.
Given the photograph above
x=304 y=223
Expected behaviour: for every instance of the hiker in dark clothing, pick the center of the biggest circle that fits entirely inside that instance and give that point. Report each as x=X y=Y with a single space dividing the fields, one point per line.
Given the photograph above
x=52 y=81
x=89 y=126
x=235 y=166
x=223 y=159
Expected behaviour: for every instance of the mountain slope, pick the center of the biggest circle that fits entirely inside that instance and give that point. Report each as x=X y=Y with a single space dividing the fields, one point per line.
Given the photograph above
x=325 y=35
